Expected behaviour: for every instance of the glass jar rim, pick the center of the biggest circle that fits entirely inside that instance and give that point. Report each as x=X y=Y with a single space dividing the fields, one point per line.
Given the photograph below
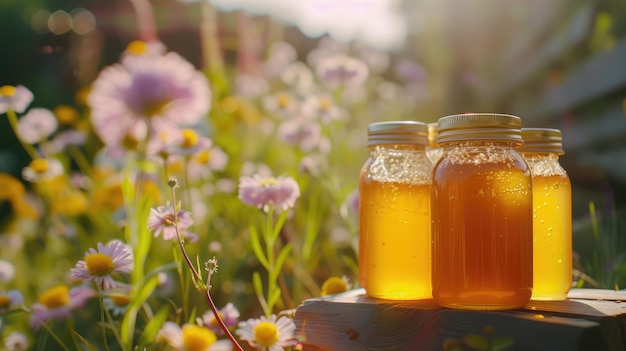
x=397 y=132
x=479 y=126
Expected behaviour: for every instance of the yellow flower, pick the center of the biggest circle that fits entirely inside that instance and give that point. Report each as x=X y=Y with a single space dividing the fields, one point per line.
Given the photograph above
x=137 y=47
x=197 y=338
x=335 y=285
x=55 y=297
x=66 y=114
x=72 y=203
x=11 y=188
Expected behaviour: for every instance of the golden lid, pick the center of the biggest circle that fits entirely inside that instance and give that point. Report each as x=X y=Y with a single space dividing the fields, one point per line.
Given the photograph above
x=397 y=132
x=543 y=140
x=479 y=126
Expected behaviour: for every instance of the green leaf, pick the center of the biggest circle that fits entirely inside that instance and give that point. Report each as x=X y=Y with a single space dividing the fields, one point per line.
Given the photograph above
x=138 y=297
x=258 y=289
x=275 y=296
x=154 y=324
x=282 y=256
x=280 y=221
x=256 y=247
x=476 y=341
x=501 y=343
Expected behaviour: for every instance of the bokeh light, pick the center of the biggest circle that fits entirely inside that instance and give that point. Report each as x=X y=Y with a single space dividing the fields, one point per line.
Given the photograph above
x=60 y=22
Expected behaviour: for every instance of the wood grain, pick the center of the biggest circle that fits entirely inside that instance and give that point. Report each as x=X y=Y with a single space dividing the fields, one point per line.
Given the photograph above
x=588 y=320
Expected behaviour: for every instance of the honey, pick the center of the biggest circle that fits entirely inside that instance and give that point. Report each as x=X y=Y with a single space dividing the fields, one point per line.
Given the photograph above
x=481 y=215
x=552 y=214
x=394 y=213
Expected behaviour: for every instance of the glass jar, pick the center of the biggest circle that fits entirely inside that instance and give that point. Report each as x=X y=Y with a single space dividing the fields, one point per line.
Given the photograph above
x=432 y=150
x=552 y=214
x=481 y=214
x=394 y=212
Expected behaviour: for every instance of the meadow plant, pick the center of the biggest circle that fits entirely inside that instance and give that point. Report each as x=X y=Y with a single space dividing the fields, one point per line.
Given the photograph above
x=161 y=169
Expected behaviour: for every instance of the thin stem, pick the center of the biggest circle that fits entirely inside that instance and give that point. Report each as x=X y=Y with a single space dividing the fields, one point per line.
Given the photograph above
x=220 y=321
x=198 y=282
x=105 y=312
x=28 y=147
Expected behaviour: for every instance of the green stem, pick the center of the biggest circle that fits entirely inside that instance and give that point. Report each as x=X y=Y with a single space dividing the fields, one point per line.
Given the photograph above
x=29 y=148
x=269 y=246
x=81 y=160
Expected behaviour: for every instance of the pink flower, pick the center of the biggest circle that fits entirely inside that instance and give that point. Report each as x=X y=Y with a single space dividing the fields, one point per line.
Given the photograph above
x=229 y=315
x=36 y=125
x=98 y=266
x=300 y=131
x=16 y=98
x=157 y=91
x=342 y=70
x=267 y=192
x=58 y=302
x=163 y=220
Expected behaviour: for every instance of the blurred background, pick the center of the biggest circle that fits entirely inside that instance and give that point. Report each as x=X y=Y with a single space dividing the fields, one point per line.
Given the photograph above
x=557 y=63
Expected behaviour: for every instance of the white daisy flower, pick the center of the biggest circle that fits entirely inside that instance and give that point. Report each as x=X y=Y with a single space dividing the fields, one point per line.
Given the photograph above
x=268 y=334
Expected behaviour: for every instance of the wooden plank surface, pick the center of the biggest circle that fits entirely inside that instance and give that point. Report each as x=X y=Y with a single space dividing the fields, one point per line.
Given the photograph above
x=588 y=320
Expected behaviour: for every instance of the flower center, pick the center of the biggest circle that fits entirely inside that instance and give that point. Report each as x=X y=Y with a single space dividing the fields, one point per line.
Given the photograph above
x=334 y=285
x=99 y=264
x=137 y=47
x=66 y=114
x=4 y=301
x=129 y=142
x=120 y=300
x=169 y=220
x=214 y=321
x=7 y=90
x=283 y=100
x=203 y=157
x=54 y=297
x=268 y=182
x=190 y=138
x=325 y=104
x=155 y=108
x=39 y=165
x=265 y=334
x=197 y=338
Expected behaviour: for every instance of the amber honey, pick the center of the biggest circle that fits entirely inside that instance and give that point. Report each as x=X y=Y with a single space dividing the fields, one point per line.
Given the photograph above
x=481 y=215
x=483 y=245
x=395 y=248
x=552 y=237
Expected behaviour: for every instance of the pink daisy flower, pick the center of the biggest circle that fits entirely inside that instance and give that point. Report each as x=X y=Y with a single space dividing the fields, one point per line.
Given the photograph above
x=58 y=302
x=266 y=192
x=37 y=125
x=152 y=90
x=99 y=265
x=163 y=220
x=16 y=98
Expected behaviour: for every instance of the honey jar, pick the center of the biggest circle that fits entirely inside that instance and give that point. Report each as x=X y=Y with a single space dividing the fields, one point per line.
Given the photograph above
x=394 y=212
x=552 y=214
x=481 y=214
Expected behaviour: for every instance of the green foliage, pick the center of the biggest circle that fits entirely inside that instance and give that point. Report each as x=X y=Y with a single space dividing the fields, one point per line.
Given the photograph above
x=602 y=252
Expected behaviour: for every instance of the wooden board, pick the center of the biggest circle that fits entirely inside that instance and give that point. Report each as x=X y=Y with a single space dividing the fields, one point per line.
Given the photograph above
x=588 y=320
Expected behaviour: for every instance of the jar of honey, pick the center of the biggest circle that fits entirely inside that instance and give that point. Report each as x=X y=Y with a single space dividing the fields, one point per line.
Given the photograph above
x=394 y=213
x=481 y=214
x=552 y=214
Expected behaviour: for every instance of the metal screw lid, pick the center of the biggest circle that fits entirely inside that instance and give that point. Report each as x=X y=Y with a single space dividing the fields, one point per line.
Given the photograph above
x=542 y=140
x=397 y=132
x=479 y=126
